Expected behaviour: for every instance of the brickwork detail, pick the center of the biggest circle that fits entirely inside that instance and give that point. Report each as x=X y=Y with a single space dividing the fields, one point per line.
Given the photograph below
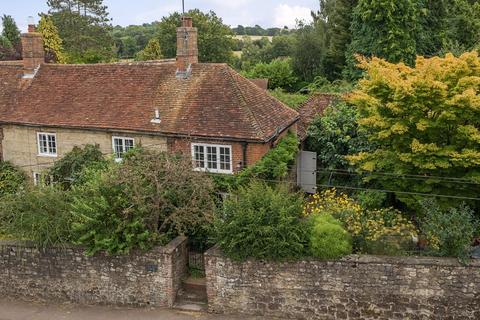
x=66 y=274
x=357 y=287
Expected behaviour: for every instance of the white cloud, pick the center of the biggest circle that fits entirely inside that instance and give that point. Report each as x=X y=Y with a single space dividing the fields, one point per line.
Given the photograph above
x=286 y=15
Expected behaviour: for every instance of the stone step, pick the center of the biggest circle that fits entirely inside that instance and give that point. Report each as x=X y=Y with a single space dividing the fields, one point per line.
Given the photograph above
x=190 y=306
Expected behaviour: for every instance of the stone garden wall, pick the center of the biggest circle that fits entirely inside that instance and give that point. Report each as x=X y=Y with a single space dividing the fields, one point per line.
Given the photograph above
x=66 y=274
x=357 y=287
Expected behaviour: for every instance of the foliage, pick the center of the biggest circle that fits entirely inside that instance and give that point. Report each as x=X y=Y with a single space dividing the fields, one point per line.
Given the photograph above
x=279 y=73
x=385 y=29
x=10 y=44
x=51 y=40
x=293 y=100
x=149 y=198
x=70 y=168
x=215 y=42
x=372 y=230
x=334 y=136
x=132 y=39
x=262 y=222
x=259 y=31
x=423 y=121
x=12 y=179
x=40 y=215
x=449 y=232
x=151 y=52
x=275 y=164
x=309 y=54
x=84 y=27
x=337 y=17
x=328 y=239
x=10 y=30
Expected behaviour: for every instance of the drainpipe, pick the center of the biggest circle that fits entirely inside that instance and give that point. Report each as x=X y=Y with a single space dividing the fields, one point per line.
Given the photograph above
x=244 y=149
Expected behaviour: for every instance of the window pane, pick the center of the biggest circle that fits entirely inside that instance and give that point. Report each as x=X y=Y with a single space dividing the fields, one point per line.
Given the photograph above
x=128 y=144
x=199 y=154
x=52 y=145
x=225 y=158
x=212 y=158
x=118 y=147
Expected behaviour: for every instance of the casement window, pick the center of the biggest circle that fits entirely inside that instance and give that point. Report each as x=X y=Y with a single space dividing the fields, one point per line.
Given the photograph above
x=37 y=178
x=212 y=158
x=122 y=145
x=47 y=144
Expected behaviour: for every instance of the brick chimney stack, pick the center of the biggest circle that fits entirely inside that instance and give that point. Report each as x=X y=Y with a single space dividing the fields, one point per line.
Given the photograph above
x=33 y=53
x=187 y=46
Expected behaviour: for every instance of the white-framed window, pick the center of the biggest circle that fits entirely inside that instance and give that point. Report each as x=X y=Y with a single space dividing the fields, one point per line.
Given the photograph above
x=121 y=145
x=47 y=144
x=212 y=157
x=36 y=178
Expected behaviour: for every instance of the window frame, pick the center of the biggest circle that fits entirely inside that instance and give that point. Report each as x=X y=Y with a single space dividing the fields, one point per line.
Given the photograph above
x=37 y=177
x=39 y=148
x=218 y=157
x=123 y=141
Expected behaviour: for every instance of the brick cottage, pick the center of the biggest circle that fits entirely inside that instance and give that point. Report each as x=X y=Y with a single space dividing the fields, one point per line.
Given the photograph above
x=208 y=110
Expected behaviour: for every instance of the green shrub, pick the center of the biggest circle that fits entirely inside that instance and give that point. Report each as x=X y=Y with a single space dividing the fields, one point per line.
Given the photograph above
x=41 y=215
x=328 y=239
x=293 y=100
x=262 y=222
x=148 y=199
x=69 y=169
x=449 y=232
x=11 y=179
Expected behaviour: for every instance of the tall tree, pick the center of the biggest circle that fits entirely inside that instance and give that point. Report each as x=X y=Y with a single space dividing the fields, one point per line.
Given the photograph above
x=424 y=121
x=10 y=30
x=84 y=27
x=310 y=49
x=337 y=16
x=215 y=41
x=51 y=40
x=432 y=26
x=151 y=52
x=383 y=28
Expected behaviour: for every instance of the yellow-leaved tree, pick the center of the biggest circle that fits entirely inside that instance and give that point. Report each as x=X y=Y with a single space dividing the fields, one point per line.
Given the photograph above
x=51 y=40
x=425 y=124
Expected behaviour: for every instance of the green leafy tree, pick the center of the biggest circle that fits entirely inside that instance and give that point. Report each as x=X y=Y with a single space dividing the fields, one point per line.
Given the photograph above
x=334 y=136
x=84 y=28
x=151 y=52
x=337 y=16
x=423 y=121
x=463 y=24
x=148 y=199
x=70 y=169
x=310 y=48
x=215 y=41
x=385 y=29
x=51 y=40
x=279 y=73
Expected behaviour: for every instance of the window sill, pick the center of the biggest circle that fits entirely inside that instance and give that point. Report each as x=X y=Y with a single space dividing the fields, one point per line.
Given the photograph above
x=47 y=155
x=214 y=171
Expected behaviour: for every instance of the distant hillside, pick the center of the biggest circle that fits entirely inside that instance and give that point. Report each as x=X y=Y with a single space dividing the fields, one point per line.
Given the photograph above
x=259 y=31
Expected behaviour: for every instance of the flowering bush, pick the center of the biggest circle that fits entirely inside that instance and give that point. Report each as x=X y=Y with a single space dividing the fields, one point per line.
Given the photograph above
x=381 y=231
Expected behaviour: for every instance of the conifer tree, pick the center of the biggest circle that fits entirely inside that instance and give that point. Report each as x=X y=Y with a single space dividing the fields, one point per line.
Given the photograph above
x=51 y=40
x=10 y=30
x=385 y=29
x=151 y=52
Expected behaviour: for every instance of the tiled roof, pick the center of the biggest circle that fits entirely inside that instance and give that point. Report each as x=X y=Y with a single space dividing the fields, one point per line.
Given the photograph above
x=10 y=74
x=262 y=83
x=314 y=106
x=215 y=101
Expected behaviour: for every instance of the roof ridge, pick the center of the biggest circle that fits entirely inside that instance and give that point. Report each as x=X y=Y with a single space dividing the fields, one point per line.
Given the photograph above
x=243 y=100
x=129 y=63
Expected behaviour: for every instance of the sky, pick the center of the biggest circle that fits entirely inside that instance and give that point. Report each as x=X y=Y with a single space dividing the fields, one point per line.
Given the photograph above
x=266 y=13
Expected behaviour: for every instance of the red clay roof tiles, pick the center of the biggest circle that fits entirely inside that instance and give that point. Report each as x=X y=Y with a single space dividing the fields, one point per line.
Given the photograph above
x=215 y=101
x=314 y=106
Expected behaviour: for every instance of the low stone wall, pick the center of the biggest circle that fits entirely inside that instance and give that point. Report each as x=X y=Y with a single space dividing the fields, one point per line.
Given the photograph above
x=66 y=274
x=356 y=287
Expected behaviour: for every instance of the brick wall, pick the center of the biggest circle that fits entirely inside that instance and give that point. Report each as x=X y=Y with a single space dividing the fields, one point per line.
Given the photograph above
x=357 y=287
x=66 y=274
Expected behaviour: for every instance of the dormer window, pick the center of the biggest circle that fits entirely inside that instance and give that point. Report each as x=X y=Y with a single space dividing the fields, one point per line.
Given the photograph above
x=47 y=144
